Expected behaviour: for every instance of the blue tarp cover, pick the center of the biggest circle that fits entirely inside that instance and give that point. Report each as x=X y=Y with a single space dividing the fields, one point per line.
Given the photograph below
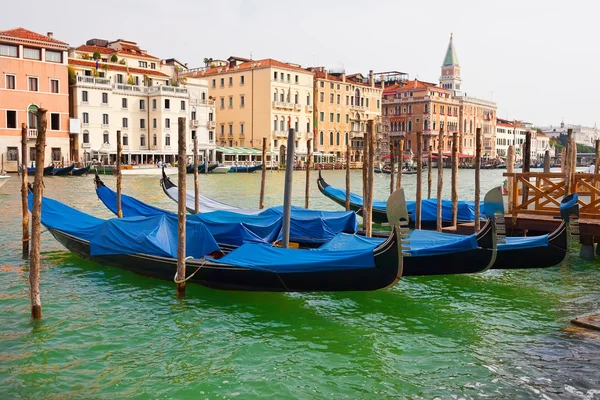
x=466 y=209
x=156 y=235
x=230 y=227
x=514 y=243
x=422 y=243
x=280 y=260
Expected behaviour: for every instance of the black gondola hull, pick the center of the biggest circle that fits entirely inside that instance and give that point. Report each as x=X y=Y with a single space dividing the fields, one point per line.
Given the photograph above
x=386 y=273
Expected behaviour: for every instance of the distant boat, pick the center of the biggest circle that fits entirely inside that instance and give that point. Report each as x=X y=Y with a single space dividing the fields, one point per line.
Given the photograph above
x=245 y=168
x=63 y=171
x=80 y=171
x=47 y=170
x=221 y=169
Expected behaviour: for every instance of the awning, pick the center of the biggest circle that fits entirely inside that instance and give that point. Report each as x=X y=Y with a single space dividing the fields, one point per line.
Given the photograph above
x=240 y=151
x=460 y=155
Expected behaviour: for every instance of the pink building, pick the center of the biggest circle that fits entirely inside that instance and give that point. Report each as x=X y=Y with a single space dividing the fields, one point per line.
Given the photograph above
x=33 y=71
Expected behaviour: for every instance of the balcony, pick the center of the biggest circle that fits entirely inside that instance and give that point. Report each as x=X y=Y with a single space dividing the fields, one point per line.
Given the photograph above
x=92 y=81
x=298 y=135
x=356 y=134
x=310 y=135
x=211 y=124
x=288 y=106
x=278 y=104
x=170 y=90
x=358 y=108
x=131 y=89
x=104 y=104
x=32 y=134
x=199 y=102
x=85 y=145
x=143 y=147
x=104 y=126
x=282 y=134
x=297 y=107
x=309 y=108
x=194 y=123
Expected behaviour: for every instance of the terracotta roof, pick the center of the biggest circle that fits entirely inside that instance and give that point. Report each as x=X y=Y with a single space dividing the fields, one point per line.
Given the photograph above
x=268 y=62
x=128 y=50
x=22 y=33
x=337 y=78
x=115 y=67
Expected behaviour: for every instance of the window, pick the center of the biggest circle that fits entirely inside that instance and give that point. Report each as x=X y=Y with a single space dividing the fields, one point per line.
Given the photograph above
x=84 y=96
x=125 y=123
x=338 y=98
x=230 y=127
x=367 y=102
x=86 y=118
x=322 y=84
x=153 y=104
x=347 y=118
x=288 y=77
x=8 y=51
x=167 y=140
x=104 y=98
x=321 y=97
x=331 y=97
x=53 y=85
x=210 y=135
x=230 y=101
x=32 y=153
x=125 y=140
x=275 y=124
x=337 y=138
x=330 y=117
x=54 y=56
x=142 y=123
x=241 y=128
x=142 y=105
x=182 y=105
x=13 y=153
x=86 y=137
x=222 y=129
x=331 y=137
x=222 y=82
x=31 y=54
x=143 y=64
x=143 y=141
x=153 y=65
x=124 y=103
x=378 y=104
x=154 y=140
x=231 y=81
x=322 y=116
x=321 y=136
x=193 y=115
x=296 y=79
x=11 y=119
x=55 y=122
x=10 y=82
x=222 y=102
x=33 y=84
x=167 y=104
x=275 y=75
x=167 y=123
x=242 y=80
x=105 y=138
x=154 y=123
x=242 y=100
x=308 y=99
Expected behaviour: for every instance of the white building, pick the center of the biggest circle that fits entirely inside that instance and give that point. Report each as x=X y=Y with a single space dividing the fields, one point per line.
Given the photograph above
x=129 y=90
x=583 y=134
x=509 y=133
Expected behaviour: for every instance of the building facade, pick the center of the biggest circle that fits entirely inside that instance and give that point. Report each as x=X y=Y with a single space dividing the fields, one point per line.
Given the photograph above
x=343 y=106
x=260 y=99
x=118 y=86
x=585 y=135
x=34 y=72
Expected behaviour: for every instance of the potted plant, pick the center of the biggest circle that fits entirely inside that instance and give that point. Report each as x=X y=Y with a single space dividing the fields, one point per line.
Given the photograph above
x=114 y=58
x=96 y=55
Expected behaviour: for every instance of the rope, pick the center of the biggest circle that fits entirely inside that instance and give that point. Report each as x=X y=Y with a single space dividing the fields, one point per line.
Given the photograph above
x=189 y=277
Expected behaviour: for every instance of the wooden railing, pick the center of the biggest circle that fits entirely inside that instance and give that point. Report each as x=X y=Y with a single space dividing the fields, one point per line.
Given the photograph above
x=545 y=190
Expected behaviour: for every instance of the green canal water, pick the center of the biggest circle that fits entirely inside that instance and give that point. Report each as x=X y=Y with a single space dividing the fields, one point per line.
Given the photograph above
x=107 y=333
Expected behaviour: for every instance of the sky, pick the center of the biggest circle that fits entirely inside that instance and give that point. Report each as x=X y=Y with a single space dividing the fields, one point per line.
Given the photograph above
x=538 y=60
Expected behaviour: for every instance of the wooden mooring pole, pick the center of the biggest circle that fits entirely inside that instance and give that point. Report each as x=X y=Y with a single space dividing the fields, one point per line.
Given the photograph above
x=119 y=175
x=196 y=175
x=308 y=158
x=24 y=191
x=419 y=195
x=347 y=203
x=38 y=189
x=547 y=161
x=368 y=200
x=477 y=177
x=263 y=175
x=454 y=194
x=510 y=169
x=287 y=192
x=526 y=163
x=567 y=162
x=429 y=166
x=181 y=209
x=393 y=168
x=440 y=182
x=400 y=155
x=597 y=160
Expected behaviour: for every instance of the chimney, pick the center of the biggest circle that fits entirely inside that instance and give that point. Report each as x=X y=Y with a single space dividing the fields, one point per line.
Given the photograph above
x=415 y=82
x=344 y=76
x=185 y=65
x=50 y=35
x=371 y=80
x=325 y=73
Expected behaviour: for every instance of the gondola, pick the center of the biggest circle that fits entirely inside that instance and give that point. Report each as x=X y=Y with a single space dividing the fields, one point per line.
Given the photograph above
x=47 y=170
x=245 y=168
x=428 y=207
x=80 y=171
x=190 y=168
x=63 y=171
x=148 y=245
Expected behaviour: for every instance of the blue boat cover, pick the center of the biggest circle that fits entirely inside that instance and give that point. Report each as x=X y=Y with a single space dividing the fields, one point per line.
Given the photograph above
x=155 y=235
x=280 y=260
x=422 y=243
x=526 y=242
x=466 y=209
x=230 y=227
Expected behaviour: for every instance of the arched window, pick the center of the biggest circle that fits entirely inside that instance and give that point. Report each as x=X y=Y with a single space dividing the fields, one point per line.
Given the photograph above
x=425 y=125
x=347 y=138
x=331 y=138
x=410 y=126
x=275 y=123
x=471 y=126
x=337 y=138
x=282 y=123
x=167 y=140
x=275 y=95
x=321 y=138
x=143 y=140
x=154 y=140
x=357 y=97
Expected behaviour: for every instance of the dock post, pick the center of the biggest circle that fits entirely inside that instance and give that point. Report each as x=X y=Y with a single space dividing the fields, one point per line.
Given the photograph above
x=347 y=178
x=393 y=168
x=429 y=166
x=568 y=162
x=368 y=200
x=440 y=182
x=287 y=196
x=526 y=163
x=511 y=185
x=454 y=179
x=181 y=209
x=597 y=160
x=24 y=191
x=563 y=156
x=196 y=176
x=400 y=154
x=477 y=177
x=308 y=157
x=263 y=175
x=119 y=176
x=38 y=188
x=547 y=161
x=419 y=195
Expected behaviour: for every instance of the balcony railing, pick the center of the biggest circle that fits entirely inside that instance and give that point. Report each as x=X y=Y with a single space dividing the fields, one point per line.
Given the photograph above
x=129 y=88
x=278 y=104
x=85 y=145
x=194 y=123
x=92 y=80
x=104 y=126
x=32 y=134
x=282 y=134
x=167 y=89
x=297 y=107
x=309 y=108
x=356 y=134
x=211 y=124
x=288 y=106
x=298 y=135
x=199 y=102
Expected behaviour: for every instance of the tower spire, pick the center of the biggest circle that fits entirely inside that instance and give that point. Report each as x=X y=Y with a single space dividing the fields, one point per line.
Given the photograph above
x=450 y=78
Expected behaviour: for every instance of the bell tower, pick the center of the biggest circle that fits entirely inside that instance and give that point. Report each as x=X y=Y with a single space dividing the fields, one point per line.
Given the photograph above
x=450 y=78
